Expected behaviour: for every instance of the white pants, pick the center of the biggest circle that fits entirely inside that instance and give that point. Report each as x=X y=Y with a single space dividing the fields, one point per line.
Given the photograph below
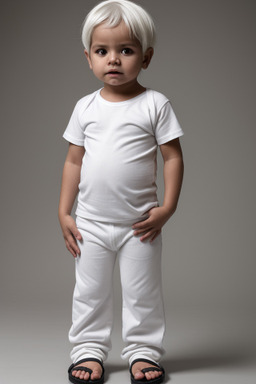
x=140 y=272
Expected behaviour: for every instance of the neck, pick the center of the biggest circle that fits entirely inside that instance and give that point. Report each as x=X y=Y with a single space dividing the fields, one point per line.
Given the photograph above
x=121 y=93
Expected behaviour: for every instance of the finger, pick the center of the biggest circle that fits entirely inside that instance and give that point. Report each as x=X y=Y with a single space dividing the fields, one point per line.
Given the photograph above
x=73 y=244
x=155 y=235
x=75 y=232
x=140 y=231
x=72 y=241
x=140 y=224
x=70 y=249
x=148 y=235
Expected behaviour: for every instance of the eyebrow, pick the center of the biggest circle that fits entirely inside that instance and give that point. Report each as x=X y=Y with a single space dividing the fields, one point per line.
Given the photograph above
x=122 y=45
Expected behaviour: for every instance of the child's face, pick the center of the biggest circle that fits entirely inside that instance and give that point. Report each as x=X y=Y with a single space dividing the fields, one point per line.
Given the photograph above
x=116 y=58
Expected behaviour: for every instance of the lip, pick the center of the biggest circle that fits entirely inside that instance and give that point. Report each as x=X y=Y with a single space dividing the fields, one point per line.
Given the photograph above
x=114 y=73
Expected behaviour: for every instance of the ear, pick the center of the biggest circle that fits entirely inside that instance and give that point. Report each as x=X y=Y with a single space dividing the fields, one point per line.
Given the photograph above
x=147 y=57
x=88 y=58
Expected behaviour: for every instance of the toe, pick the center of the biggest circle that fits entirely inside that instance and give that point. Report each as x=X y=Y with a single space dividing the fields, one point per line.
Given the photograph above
x=152 y=375
x=81 y=376
x=149 y=375
x=138 y=375
x=78 y=373
x=96 y=374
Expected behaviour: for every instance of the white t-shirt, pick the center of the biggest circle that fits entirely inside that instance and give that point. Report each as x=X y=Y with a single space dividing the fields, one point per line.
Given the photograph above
x=118 y=174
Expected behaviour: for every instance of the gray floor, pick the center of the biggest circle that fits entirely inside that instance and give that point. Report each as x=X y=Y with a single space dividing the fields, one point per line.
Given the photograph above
x=213 y=346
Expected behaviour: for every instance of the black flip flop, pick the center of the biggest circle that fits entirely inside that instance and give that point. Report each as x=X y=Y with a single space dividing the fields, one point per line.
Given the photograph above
x=75 y=367
x=155 y=367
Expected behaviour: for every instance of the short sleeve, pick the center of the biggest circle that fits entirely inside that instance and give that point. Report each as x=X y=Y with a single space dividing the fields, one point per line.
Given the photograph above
x=167 y=126
x=74 y=132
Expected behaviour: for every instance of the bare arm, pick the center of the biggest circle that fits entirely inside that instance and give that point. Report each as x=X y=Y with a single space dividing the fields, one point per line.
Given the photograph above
x=69 y=190
x=173 y=175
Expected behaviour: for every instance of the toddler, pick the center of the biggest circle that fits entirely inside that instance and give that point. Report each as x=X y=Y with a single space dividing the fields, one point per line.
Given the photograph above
x=113 y=136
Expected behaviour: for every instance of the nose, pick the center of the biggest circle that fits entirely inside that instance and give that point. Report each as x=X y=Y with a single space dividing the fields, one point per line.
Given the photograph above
x=114 y=59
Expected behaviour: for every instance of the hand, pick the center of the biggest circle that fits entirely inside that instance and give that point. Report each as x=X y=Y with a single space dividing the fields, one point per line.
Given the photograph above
x=70 y=234
x=152 y=226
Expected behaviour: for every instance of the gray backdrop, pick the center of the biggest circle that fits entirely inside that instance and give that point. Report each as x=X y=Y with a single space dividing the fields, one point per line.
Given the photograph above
x=205 y=63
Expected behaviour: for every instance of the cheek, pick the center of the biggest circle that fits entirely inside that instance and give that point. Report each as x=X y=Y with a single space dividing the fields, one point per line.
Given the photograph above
x=95 y=66
x=98 y=71
x=136 y=65
x=137 y=68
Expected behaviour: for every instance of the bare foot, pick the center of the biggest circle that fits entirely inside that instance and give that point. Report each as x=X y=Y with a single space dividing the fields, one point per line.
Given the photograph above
x=138 y=375
x=93 y=365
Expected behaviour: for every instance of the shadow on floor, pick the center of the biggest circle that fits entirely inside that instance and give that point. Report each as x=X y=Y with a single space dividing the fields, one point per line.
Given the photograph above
x=113 y=368
x=207 y=360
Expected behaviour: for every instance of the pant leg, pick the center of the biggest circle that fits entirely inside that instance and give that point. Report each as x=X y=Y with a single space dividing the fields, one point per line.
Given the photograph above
x=143 y=312
x=92 y=300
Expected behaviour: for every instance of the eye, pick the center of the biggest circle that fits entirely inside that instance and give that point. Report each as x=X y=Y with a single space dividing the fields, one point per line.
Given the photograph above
x=101 y=51
x=127 y=51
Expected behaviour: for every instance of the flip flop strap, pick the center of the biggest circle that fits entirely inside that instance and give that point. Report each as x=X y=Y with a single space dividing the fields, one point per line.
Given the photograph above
x=85 y=369
x=145 y=361
x=76 y=367
x=151 y=369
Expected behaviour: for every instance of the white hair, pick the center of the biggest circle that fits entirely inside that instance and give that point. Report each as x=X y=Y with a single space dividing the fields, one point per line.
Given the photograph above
x=112 y=12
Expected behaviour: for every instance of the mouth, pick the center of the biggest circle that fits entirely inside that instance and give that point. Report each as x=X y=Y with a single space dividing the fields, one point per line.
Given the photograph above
x=114 y=73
